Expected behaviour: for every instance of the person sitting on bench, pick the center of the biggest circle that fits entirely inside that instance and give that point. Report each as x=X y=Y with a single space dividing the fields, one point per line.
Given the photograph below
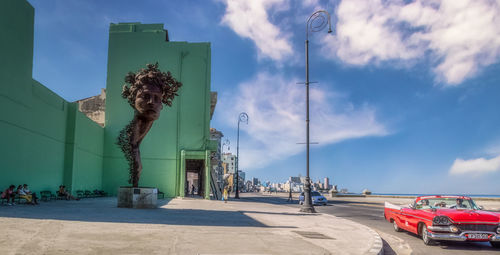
x=63 y=193
x=25 y=193
x=9 y=195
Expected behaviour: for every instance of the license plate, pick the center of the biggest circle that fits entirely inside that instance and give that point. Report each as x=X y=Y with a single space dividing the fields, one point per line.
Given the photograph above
x=478 y=236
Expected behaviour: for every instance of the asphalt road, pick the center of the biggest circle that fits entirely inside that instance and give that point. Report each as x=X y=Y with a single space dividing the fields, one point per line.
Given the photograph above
x=371 y=215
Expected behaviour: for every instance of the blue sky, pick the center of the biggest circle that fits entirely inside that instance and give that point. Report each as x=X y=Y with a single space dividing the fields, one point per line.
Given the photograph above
x=407 y=92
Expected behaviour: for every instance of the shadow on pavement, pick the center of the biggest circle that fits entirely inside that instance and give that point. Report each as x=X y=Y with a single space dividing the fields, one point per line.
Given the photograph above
x=276 y=213
x=388 y=249
x=459 y=246
x=466 y=246
x=355 y=203
x=105 y=210
x=266 y=199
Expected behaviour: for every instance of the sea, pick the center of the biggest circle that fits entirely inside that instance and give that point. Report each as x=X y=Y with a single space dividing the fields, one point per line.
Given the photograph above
x=417 y=195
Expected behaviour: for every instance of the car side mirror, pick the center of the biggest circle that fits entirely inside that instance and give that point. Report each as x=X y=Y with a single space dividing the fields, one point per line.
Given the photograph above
x=480 y=207
x=412 y=206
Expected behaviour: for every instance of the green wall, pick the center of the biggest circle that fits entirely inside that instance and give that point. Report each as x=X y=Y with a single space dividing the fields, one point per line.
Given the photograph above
x=184 y=126
x=38 y=128
x=46 y=141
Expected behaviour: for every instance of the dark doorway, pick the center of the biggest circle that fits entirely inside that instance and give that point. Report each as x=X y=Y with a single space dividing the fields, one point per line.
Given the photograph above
x=194 y=178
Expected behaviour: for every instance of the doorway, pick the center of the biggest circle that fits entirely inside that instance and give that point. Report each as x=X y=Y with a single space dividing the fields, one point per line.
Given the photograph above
x=194 y=178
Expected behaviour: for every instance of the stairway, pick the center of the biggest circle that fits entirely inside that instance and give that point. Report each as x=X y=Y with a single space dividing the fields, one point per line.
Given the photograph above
x=216 y=189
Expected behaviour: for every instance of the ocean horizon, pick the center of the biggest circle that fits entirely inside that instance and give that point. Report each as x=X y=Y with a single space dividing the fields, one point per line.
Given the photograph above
x=417 y=195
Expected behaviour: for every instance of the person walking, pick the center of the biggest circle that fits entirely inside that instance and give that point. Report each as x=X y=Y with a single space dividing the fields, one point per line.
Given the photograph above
x=225 y=195
x=290 y=199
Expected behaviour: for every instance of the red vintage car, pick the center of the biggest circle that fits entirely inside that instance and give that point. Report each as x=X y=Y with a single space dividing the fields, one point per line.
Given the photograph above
x=445 y=218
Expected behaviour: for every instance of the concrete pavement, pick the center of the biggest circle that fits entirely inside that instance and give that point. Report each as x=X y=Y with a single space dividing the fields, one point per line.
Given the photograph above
x=489 y=203
x=369 y=211
x=179 y=226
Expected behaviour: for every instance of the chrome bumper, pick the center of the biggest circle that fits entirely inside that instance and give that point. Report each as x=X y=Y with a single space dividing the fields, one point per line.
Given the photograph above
x=459 y=237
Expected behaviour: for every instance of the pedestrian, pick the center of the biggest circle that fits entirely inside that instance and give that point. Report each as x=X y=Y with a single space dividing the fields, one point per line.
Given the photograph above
x=290 y=199
x=192 y=190
x=225 y=195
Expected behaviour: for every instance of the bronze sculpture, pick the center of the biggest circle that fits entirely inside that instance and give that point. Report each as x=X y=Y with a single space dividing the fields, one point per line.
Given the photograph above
x=149 y=89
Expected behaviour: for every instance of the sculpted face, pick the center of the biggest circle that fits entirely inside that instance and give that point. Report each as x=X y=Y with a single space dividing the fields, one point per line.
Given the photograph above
x=148 y=102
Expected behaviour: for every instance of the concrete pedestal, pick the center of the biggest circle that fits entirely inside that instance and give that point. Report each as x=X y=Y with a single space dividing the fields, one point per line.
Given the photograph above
x=141 y=197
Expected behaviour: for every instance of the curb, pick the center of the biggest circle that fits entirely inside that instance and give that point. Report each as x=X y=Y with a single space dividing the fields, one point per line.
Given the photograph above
x=377 y=246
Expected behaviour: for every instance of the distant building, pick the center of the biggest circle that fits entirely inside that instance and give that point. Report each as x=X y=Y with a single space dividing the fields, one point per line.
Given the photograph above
x=294 y=179
x=302 y=179
x=326 y=183
x=255 y=181
x=230 y=161
x=94 y=107
x=241 y=180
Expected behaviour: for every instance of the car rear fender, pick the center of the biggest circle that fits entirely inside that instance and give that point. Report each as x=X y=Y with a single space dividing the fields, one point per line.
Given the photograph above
x=390 y=211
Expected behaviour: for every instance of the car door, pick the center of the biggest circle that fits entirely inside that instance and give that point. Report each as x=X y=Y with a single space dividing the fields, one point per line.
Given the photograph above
x=411 y=220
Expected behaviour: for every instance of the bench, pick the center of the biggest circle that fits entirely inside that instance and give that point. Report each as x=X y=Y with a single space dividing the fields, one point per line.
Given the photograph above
x=99 y=193
x=17 y=199
x=88 y=194
x=47 y=195
x=79 y=194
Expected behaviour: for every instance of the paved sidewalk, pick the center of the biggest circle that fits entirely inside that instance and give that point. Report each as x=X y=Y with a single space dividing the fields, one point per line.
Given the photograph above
x=180 y=226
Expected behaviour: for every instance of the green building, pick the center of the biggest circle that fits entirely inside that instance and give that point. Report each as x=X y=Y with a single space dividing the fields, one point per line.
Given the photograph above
x=47 y=142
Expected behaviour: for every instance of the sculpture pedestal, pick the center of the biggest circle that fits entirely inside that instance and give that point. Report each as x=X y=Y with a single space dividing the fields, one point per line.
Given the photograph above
x=141 y=197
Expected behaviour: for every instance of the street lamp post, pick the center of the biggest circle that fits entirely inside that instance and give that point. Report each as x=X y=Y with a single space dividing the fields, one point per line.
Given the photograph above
x=243 y=117
x=316 y=22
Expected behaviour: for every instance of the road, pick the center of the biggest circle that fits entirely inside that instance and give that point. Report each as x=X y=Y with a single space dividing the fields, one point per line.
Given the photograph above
x=371 y=215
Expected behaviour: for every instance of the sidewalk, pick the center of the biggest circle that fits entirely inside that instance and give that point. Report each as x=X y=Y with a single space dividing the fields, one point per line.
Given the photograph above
x=180 y=226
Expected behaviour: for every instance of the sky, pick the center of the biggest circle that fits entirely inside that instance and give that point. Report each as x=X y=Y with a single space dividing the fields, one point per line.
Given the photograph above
x=406 y=98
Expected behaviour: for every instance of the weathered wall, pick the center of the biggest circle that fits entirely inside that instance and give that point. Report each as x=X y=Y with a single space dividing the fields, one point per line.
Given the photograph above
x=185 y=125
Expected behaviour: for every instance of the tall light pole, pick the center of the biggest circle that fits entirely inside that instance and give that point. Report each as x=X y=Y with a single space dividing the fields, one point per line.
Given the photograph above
x=316 y=22
x=243 y=117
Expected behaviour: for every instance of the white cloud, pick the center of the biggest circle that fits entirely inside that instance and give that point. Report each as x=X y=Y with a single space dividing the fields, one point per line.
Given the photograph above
x=276 y=109
x=461 y=36
x=250 y=19
x=475 y=166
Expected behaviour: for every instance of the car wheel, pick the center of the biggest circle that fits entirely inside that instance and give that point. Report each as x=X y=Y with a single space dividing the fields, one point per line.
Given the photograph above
x=425 y=236
x=495 y=244
x=396 y=227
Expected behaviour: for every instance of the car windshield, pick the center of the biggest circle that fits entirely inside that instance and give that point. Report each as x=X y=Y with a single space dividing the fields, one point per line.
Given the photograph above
x=315 y=194
x=446 y=203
